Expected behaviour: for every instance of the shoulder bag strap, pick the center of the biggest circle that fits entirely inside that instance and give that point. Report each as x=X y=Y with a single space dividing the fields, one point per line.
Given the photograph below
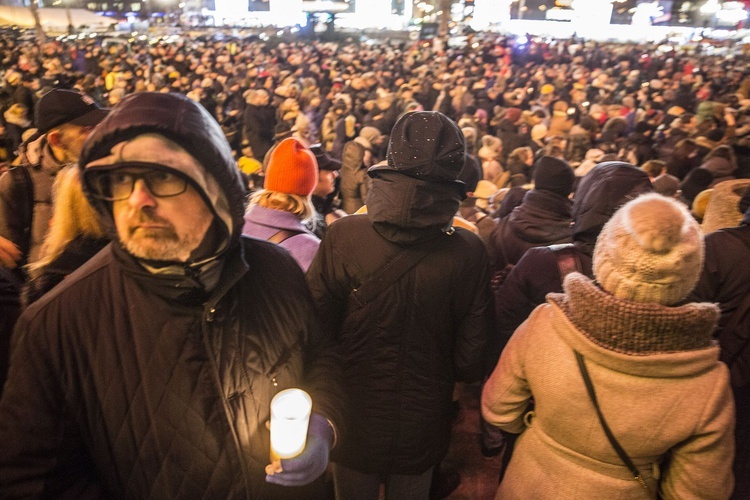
x=611 y=437
x=282 y=235
x=397 y=267
x=567 y=258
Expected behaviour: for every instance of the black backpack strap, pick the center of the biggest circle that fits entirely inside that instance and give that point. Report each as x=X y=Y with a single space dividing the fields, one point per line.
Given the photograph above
x=393 y=270
x=283 y=235
x=23 y=199
x=611 y=437
x=567 y=258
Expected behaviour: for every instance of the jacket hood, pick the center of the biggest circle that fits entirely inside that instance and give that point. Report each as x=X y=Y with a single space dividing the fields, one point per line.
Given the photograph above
x=600 y=193
x=406 y=210
x=543 y=216
x=195 y=146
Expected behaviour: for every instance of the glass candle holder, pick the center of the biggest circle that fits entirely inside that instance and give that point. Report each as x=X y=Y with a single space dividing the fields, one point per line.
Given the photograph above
x=290 y=415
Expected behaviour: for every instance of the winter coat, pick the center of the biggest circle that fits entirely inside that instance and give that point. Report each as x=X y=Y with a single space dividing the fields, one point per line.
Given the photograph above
x=598 y=196
x=658 y=382
x=726 y=280
x=258 y=124
x=128 y=383
x=405 y=348
x=543 y=218
x=42 y=170
x=354 y=179
x=262 y=223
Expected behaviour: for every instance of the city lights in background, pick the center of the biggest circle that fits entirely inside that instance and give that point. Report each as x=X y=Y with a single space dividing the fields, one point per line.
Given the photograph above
x=596 y=19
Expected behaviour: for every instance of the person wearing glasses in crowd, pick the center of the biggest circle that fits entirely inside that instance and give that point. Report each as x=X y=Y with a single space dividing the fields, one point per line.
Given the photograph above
x=149 y=372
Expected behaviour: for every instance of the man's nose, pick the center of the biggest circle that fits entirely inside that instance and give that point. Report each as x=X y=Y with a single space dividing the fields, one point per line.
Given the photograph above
x=141 y=195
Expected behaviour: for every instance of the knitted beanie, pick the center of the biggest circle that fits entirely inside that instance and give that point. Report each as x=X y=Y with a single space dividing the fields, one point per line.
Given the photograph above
x=292 y=169
x=513 y=114
x=651 y=250
x=426 y=145
x=553 y=174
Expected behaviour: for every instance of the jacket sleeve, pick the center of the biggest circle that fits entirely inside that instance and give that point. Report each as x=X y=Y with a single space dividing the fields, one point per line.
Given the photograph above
x=701 y=466
x=474 y=329
x=506 y=394
x=42 y=453
x=328 y=290
x=325 y=372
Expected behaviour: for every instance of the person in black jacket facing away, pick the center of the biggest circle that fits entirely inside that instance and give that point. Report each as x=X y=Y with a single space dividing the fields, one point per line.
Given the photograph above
x=598 y=196
x=543 y=217
x=407 y=297
x=726 y=280
x=149 y=372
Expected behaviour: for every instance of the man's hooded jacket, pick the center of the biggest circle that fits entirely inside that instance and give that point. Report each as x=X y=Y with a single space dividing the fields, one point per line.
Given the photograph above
x=154 y=379
x=405 y=347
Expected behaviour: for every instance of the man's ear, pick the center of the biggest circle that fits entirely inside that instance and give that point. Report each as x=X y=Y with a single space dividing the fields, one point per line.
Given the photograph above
x=53 y=138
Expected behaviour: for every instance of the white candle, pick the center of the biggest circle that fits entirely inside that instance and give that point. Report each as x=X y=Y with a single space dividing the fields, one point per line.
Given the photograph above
x=290 y=415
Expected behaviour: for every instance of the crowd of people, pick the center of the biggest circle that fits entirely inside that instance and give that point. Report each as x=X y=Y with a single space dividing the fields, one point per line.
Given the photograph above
x=189 y=227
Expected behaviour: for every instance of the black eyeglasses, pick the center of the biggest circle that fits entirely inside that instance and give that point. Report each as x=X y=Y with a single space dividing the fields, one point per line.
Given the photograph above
x=118 y=184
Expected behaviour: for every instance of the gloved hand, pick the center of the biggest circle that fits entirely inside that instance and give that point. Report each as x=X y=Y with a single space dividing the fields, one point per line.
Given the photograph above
x=311 y=463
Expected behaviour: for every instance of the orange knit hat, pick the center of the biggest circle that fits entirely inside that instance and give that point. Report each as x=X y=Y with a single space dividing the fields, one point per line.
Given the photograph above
x=292 y=169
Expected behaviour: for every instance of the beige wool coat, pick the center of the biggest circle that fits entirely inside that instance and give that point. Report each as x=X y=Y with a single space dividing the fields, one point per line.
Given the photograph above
x=660 y=386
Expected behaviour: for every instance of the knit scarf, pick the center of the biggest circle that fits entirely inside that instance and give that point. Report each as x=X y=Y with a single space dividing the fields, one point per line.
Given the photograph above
x=634 y=328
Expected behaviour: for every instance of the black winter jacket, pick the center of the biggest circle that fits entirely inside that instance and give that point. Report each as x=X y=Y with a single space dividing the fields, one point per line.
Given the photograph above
x=543 y=218
x=726 y=275
x=404 y=350
x=157 y=391
x=600 y=193
x=127 y=383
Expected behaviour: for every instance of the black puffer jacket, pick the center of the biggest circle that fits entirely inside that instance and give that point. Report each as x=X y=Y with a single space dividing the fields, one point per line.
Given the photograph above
x=405 y=348
x=600 y=193
x=543 y=218
x=128 y=384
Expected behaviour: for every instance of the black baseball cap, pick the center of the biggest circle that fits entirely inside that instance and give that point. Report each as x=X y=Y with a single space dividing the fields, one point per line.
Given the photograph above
x=325 y=161
x=58 y=107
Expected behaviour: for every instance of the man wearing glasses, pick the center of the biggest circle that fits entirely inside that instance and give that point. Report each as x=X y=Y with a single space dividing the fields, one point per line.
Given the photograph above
x=149 y=372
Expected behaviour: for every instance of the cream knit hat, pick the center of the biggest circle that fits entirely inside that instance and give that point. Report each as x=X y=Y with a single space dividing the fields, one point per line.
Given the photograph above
x=651 y=250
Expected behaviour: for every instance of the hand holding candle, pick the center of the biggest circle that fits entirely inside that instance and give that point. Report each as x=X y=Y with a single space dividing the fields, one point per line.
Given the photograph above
x=300 y=441
x=290 y=415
